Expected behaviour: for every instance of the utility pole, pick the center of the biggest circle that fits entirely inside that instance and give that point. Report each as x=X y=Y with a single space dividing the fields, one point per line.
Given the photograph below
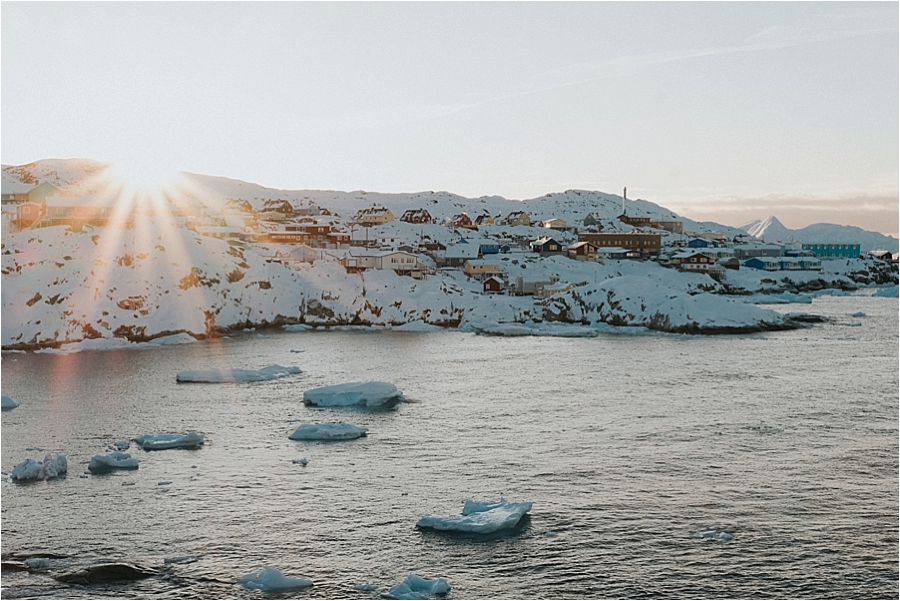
x=624 y=196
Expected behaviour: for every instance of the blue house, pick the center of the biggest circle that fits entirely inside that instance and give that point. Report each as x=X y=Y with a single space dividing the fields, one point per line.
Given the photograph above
x=765 y=263
x=834 y=251
x=702 y=243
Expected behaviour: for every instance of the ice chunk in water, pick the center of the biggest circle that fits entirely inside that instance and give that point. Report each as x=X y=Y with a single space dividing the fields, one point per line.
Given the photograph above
x=482 y=517
x=329 y=431
x=8 y=403
x=116 y=460
x=216 y=376
x=160 y=441
x=366 y=394
x=415 y=587
x=270 y=579
x=53 y=465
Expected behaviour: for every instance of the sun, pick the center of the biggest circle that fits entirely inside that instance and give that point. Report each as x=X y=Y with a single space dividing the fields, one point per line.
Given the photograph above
x=145 y=175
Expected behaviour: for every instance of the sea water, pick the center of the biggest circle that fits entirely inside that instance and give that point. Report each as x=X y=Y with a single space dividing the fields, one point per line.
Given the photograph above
x=630 y=447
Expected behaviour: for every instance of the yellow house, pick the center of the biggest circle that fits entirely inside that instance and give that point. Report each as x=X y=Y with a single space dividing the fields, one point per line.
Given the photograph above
x=374 y=216
x=475 y=267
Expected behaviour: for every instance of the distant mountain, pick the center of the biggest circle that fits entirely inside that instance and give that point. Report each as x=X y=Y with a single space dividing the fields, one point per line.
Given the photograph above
x=772 y=230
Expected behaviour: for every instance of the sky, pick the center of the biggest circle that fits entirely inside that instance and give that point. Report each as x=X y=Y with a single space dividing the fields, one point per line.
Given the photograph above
x=727 y=112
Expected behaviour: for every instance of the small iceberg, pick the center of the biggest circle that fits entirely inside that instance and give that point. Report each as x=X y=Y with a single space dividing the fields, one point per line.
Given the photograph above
x=160 y=441
x=9 y=403
x=858 y=314
x=270 y=579
x=329 y=431
x=889 y=292
x=53 y=465
x=718 y=534
x=116 y=460
x=482 y=517
x=415 y=587
x=218 y=376
x=365 y=394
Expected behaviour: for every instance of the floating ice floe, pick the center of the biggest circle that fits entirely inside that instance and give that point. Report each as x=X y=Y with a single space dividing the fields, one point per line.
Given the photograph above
x=482 y=517
x=296 y=327
x=161 y=441
x=9 y=403
x=366 y=587
x=366 y=394
x=858 y=314
x=216 y=376
x=778 y=299
x=714 y=534
x=889 y=292
x=270 y=579
x=53 y=465
x=559 y=330
x=415 y=587
x=120 y=445
x=329 y=431
x=116 y=460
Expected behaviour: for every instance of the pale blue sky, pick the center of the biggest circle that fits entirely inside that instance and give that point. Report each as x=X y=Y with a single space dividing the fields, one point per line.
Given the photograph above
x=724 y=111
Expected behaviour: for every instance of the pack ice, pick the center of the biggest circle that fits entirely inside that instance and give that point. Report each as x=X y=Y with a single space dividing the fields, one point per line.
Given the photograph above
x=366 y=394
x=161 y=441
x=328 y=431
x=117 y=460
x=270 y=579
x=416 y=587
x=482 y=517
x=216 y=376
x=52 y=466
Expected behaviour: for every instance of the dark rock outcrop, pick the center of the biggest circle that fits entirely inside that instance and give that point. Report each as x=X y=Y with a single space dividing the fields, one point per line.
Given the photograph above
x=107 y=572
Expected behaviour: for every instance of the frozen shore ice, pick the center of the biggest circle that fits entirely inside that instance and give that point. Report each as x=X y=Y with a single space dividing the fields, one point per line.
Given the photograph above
x=217 y=376
x=328 y=431
x=482 y=517
x=366 y=394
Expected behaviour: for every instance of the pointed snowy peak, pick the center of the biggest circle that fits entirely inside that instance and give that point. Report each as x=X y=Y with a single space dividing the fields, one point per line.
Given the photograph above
x=769 y=229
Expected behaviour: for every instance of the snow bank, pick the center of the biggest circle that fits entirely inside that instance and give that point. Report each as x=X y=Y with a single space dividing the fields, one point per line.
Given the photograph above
x=367 y=394
x=270 y=579
x=329 y=431
x=160 y=441
x=9 y=403
x=52 y=466
x=116 y=460
x=482 y=517
x=415 y=587
x=216 y=376
x=889 y=292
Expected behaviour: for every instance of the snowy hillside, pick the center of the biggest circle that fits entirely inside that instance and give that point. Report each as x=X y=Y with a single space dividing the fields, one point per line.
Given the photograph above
x=772 y=230
x=160 y=278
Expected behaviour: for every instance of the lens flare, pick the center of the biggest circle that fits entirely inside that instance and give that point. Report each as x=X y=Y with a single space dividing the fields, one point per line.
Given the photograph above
x=145 y=175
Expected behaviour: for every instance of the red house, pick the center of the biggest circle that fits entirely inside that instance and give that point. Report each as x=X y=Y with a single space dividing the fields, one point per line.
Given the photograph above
x=493 y=285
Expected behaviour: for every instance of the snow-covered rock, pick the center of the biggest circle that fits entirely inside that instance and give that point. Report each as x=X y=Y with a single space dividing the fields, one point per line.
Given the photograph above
x=116 y=460
x=161 y=441
x=365 y=394
x=9 y=403
x=271 y=372
x=328 y=431
x=269 y=579
x=53 y=465
x=482 y=517
x=416 y=587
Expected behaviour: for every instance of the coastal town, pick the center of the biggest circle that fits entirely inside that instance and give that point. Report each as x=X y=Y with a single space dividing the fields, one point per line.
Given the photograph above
x=545 y=248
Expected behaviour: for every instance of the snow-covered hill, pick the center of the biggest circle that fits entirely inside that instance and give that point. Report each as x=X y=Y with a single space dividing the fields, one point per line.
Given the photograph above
x=160 y=279
x=772 y=230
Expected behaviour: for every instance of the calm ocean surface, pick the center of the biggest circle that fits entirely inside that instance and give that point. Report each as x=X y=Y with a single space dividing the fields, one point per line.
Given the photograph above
x=626 y=444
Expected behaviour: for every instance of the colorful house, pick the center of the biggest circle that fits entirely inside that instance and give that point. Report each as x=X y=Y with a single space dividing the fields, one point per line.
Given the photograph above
x=834 y=251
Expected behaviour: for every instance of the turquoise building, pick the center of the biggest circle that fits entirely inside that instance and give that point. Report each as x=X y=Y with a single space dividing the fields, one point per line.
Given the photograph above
x=833 y=251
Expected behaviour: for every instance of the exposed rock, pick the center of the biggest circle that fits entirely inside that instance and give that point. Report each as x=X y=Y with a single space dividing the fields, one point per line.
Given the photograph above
x=14 y=566
x=107 y=572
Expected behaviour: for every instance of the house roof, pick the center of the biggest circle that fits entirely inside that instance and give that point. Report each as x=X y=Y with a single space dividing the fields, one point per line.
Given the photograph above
x=462 y=251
